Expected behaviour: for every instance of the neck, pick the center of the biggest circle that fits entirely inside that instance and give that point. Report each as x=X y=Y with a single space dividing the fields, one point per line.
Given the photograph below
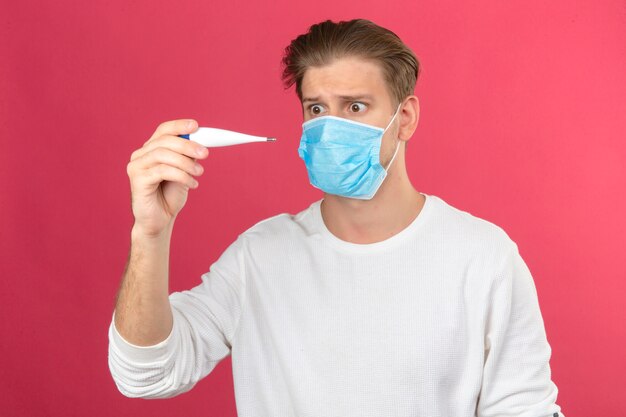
x=392 y=209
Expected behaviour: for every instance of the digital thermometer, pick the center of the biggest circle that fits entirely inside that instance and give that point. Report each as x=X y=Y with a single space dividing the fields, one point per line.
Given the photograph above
x=212 y=137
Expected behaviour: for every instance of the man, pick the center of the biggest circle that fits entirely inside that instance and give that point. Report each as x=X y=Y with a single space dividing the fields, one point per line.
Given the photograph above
x=384 y=302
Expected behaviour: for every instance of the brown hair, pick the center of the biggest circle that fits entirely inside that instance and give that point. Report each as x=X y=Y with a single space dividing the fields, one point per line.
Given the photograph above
x=327 y=41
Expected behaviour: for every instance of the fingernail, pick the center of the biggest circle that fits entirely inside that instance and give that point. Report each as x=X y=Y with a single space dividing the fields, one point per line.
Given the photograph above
x=201 y=151
x=189 y=124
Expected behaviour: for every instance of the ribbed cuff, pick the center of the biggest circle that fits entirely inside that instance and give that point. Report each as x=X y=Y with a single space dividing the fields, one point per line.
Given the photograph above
x=142 y=354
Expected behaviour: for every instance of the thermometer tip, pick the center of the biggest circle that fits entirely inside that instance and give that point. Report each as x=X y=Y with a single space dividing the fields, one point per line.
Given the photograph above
x=271 y=139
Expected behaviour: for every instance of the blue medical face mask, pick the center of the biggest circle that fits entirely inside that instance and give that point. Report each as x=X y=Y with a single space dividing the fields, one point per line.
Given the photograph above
x=342 y=156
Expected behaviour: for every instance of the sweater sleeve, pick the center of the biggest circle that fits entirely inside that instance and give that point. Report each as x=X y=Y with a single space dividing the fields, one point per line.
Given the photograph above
x=516 y=374
x=205 y=319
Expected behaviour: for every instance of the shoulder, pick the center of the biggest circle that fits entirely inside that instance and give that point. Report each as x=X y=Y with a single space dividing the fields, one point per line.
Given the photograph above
x=282 y=227
x=472 y=232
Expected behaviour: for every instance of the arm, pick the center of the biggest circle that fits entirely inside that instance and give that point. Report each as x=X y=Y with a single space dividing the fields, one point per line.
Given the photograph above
x=142 y=310
x=160 y=174
x=142 y=335
x=516 y=375
x=205 y=320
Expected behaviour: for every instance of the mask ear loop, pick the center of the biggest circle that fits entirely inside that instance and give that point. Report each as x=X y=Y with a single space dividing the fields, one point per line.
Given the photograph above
x=398 y=145
x=394 y=116
x=394 y=156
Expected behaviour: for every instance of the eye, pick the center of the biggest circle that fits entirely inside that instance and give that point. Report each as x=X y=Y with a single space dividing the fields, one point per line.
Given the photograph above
x=357 y=107
x=316 y=109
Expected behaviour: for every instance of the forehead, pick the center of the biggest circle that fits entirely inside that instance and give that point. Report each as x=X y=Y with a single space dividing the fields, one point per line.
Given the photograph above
x=344 y=77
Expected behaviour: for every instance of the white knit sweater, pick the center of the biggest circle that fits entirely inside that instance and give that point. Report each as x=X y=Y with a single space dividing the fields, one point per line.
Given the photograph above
x=440 y=320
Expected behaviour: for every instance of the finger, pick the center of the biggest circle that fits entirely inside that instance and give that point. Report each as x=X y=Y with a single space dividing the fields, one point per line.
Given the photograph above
x=166 y=156
x=175 y=128
x=173 y=143
x=159 y=173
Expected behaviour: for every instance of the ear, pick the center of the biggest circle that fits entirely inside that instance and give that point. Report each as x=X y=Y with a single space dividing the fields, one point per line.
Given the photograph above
x=409 y=116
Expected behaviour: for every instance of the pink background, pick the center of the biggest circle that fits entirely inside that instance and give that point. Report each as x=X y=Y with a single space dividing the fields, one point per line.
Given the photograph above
x=523 y=123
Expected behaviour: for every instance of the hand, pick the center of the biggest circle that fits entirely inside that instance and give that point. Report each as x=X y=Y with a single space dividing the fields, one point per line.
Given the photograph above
x=161 y=174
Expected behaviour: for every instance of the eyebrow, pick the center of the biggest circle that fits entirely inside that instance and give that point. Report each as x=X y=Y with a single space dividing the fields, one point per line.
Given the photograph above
x=345 y=98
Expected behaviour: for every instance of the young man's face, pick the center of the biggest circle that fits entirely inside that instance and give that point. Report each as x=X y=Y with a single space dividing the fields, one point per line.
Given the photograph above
x=352 y=88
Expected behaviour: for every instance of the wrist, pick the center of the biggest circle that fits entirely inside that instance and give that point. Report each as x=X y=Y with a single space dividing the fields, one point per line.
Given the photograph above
x=138 y=232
